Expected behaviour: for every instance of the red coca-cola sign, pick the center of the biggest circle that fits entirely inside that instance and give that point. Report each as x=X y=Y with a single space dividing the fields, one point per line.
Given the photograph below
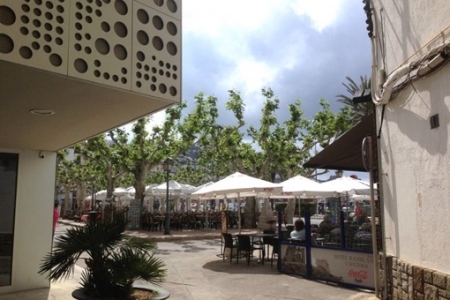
x=357 y=274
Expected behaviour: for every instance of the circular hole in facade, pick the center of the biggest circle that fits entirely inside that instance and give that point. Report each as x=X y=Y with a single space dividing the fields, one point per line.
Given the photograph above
x=47 y=49
x=49 y=4
x=172 y=91
x=102 y=46
x=55 y=60
x=49 y=16
x=25 y=52
x=78 y=5
x=143 y=16
x=99 y=3
x=158 y=23
x=89 y=9
x=107 y=1
x=37 y=12
x=78 y=36
x=168 y=66
x=162 y=88
x=77 y=47
x=161 y=63
x=146 y=77
x=87 y=36
x=142 y=37
x=88 y=19
x=47 y=37
x=146 y=68
x=153 y=57
x=172 y=48
x=79 y=16
x=59 y=19
x=59 y=30
x=121 y=7
x=172 y=6
x=174 y=76
x=161 y=72
x=153 y=87
x=58 y=41
x=154 y=70
x=123 y=80
x=7 y=16
x=80 y=65
x=24 y=19
x=159 y=2
x=88 y=50
x=97 y=73
x=106 y=75
x=36 y=34
x=98 y=13
x=35 y=45
x=97 y=63
x=120 y=29
x=154 y=78
x=48 y=26
x=124 y=71
x=36 y=23
x=138 y=74
x=38 y=2
x=6 y=44
x=115 y=78
x=172 y=28
x=168 y=74
x=78 y=26
x=25 y=8
x=105 y=27
x=157 y=43
x=89 y=1
x=24 y=30
x=140 y=56
x=138 y=84
x=60 y=9
x=120 y=52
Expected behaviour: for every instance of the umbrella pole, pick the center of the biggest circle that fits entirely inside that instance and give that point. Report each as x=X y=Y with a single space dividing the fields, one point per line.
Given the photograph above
x=239 y=212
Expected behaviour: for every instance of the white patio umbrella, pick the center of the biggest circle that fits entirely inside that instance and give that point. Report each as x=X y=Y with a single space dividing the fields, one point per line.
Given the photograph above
x=344 y=185
x=299 y=186
x=238 y=185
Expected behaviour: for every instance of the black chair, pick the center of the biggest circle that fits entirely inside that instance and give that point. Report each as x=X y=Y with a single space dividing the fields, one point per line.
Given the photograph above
x=228 y=243
x=244 y=244
x=275 y=249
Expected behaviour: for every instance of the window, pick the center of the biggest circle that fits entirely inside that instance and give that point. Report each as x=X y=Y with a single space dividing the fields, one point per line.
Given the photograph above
x=8 y=184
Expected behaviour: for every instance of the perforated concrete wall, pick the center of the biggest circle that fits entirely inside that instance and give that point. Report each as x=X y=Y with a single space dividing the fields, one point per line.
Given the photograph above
x=131 y=45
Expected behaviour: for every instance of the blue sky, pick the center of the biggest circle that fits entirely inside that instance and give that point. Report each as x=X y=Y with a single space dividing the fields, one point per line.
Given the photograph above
x=301 y=49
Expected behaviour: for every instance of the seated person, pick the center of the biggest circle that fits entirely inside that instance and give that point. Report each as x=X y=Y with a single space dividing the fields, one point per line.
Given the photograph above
x=299 y=230
x=325 y=226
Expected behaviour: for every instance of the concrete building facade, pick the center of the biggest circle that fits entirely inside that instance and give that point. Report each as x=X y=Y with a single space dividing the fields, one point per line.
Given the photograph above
x=70 y=70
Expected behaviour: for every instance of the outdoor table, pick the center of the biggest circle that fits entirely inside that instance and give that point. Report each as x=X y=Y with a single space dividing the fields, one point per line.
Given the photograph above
x=259 y=237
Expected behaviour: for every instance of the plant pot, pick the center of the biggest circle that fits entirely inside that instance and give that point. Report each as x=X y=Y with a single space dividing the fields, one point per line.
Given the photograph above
x=162 y=294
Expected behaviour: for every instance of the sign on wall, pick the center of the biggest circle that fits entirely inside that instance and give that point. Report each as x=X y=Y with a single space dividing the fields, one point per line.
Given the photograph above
x=293 y=259
x=134 y=214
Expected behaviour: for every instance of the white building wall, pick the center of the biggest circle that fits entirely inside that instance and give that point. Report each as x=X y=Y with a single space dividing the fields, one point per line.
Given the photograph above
x=33 y=219
x=414 y=159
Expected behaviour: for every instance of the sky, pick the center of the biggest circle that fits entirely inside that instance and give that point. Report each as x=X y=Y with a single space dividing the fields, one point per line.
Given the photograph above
x=301 y=49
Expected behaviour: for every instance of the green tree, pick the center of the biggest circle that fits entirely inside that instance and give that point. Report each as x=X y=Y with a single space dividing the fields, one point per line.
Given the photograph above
x=359 y=110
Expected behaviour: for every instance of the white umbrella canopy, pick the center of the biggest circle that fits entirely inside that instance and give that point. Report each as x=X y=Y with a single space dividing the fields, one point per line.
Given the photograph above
x=149 y=189
x=341 y=186
x=300 y=186
x=238 y=185
x=120 y=192
x=100 y=195
x=175 y=188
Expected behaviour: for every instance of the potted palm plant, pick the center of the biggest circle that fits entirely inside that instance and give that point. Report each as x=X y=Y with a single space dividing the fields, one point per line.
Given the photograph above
x=115 y=260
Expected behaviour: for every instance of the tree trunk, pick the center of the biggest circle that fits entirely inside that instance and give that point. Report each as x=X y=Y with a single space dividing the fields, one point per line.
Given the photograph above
x=250 y=212
x=289 y=211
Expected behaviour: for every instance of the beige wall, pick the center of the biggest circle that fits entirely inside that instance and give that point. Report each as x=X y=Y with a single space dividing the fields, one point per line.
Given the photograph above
x=33 y=219
x=414 y=160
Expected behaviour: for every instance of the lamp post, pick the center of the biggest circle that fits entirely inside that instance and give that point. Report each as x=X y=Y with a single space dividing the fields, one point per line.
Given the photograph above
x=167 y=166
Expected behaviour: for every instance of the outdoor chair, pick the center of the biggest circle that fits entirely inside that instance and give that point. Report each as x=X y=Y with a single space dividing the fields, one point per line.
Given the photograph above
x=275 y=249
x=228 y=243
x=267 y=240
x=244 y=244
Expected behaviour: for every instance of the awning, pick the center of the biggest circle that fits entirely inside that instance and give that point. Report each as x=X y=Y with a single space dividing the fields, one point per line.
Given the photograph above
x=346 y=152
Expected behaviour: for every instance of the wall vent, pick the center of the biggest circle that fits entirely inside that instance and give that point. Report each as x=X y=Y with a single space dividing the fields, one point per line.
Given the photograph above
x=434 y=121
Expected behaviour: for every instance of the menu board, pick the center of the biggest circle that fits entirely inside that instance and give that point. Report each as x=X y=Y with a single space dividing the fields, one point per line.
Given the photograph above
x=134 y=214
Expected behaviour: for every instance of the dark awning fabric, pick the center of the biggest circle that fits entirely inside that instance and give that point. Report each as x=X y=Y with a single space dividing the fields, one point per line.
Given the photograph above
x=345 y=153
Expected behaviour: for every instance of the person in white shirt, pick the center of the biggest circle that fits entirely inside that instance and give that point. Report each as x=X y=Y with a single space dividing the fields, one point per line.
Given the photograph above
x=299 y=230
